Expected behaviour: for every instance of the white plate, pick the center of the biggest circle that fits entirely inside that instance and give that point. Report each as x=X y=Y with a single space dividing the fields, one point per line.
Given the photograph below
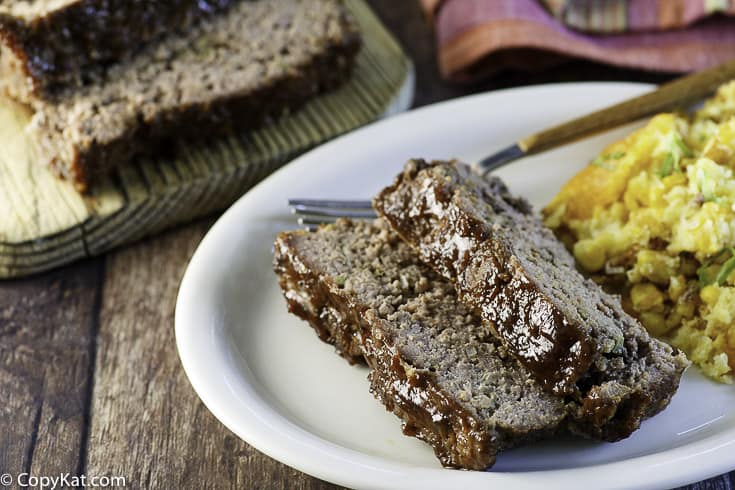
x=268 y=378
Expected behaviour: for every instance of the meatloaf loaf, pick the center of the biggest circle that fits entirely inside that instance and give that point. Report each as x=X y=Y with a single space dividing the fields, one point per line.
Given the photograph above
x=236 y=69
x=48 y=45
x=433 y=362
x=575 y=338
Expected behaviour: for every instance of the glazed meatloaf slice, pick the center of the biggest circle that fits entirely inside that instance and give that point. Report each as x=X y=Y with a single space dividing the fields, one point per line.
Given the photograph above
x=234 y=70
x=575 y=338
x=48 y=45
x=433 y=362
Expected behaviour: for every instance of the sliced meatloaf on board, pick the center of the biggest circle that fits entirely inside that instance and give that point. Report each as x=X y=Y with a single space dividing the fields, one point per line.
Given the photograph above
x=434 y=363
x=575 y=338
x=233 y=70
x=49 y=45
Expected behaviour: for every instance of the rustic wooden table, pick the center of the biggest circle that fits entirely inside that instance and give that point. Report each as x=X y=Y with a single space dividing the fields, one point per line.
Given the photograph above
x=90 y=382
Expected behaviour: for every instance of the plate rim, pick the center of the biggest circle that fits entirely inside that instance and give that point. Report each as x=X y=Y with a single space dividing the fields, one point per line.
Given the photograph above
x=345 y=466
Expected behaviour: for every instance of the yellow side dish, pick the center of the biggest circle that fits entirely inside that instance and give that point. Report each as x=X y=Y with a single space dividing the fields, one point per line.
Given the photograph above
x=653 y=217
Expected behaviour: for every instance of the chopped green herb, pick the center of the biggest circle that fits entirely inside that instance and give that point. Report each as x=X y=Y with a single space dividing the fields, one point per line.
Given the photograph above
x=710 y=272
x=678 y=149
x=726 y=269
x=619 y=342
x=603 y=160
x=340 y=280
x=706 y=276
x=685 y=151
x=668 y=166
x=708 y=189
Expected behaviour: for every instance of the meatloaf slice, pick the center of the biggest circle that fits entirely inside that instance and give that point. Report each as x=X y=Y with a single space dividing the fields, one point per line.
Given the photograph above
x=236 y=70
x=48 y=45
x=434 y=363
x=575 y=338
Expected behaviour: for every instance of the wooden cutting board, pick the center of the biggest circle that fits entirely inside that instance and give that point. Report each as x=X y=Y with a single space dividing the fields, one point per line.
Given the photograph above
x=45 y=223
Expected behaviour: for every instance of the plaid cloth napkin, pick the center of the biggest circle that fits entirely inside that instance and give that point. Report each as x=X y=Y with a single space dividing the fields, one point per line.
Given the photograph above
x=476 y=38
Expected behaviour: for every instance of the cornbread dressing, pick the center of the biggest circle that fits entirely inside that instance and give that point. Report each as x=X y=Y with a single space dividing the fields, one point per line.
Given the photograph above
x=653 y=217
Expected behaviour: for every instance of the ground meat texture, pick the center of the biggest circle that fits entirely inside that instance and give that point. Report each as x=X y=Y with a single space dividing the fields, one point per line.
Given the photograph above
x=433 y=362
x=575 y=338
x=52 y=45
x=235 y=70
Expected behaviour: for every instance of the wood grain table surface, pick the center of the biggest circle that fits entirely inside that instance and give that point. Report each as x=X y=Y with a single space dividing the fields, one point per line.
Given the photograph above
x=90 y=381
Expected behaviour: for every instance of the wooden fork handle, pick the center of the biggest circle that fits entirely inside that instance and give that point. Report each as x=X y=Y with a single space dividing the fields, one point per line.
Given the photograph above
x=680 y=92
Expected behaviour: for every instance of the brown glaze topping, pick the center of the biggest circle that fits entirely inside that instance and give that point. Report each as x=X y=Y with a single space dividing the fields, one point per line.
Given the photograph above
x=573 y=337
x=488 y=277
x=541 y=336
x=66 y=45
x=459 y=440
x=308 y=299
x=434 y=363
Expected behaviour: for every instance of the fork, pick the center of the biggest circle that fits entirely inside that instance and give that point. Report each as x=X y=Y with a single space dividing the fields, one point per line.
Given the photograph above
x=681 y=92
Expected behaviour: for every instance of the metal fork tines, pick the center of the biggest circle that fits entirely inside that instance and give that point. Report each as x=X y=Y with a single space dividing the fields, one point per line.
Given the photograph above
x=312 y=212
